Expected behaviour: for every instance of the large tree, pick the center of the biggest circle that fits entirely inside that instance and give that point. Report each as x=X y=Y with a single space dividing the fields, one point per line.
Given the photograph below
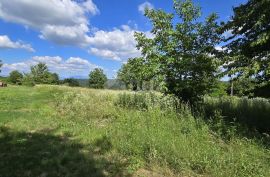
x=249 y=44
x=97 y=79
x=182 y=50
x=41 y=75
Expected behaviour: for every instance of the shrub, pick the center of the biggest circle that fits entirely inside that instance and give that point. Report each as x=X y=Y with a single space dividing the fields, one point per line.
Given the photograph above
x=15 y=77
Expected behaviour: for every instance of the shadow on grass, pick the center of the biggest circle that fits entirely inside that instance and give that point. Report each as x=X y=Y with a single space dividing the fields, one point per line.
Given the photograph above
x=27 y=154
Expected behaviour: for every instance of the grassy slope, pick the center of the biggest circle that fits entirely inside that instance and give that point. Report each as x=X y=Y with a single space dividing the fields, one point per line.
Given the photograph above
x=61 y=131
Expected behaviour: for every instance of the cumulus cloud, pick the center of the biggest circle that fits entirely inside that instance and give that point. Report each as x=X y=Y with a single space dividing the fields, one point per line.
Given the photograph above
x=145 y=5
x=118 y=44
x=69 y=67
x=6 y=43
x=61 y=21
x=65 y=22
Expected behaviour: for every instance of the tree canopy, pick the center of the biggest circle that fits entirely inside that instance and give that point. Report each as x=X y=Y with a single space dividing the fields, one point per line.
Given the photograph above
x=182 y=54
x=15 y=77
x=97 y=79
x=249 y=45
x=41 y=75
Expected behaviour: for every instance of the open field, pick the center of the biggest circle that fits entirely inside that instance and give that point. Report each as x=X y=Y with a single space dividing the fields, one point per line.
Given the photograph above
x=62 y=131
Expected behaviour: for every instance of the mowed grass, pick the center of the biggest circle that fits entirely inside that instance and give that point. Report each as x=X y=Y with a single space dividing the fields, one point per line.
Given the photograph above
x=62 y=131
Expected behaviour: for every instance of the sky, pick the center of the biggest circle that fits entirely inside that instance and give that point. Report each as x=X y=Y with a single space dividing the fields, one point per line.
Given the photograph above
x=75 y=36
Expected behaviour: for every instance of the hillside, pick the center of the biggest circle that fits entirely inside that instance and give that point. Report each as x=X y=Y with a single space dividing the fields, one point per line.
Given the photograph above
x=62 y=131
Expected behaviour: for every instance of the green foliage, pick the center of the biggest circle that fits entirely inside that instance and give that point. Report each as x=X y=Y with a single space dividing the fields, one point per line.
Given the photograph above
x=53 y=78
x=183 y=55
x=242 y=87
x=71 y=82
x=220 y=89
x=248 y=48
x=41 y=75
x=136 y=72
x=253 y=113
x=15 y=77
x=97 y=79
x=28 y=80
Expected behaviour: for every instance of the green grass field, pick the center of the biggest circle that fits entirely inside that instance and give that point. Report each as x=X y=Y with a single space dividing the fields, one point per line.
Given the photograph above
x=60 y=131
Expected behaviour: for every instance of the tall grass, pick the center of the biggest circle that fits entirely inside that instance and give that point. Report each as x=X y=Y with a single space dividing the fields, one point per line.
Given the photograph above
x=149 y=129
x=84 y=132
x=253 y=113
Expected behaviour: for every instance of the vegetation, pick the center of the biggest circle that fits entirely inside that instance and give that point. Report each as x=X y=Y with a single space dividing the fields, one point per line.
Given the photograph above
x=15 y=77
x=71 y=82
x=252 y=113
x=97 y=79
x=248 y=50
x=41 y=75
x=1 y=64
x=183 y=54
x=62 y=131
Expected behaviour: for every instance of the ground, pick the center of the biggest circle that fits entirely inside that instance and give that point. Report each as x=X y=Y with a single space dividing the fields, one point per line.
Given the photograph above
x=61 y=131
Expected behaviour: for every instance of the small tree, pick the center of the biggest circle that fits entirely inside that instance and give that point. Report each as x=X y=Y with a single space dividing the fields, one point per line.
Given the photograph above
x=16 y=77
x=1 y=64
x=97 y=79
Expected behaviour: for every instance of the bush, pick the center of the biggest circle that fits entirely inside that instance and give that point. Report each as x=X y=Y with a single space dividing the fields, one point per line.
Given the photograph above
x=15 y=77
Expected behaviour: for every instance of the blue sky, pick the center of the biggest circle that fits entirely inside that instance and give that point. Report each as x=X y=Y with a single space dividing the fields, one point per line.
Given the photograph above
x=73 y=37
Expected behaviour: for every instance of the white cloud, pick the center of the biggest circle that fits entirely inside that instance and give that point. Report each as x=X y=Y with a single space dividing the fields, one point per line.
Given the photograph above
x=65 y=22
x=61 y=21
x=145 y=5
x=73 y=66
x=118 y=44
x=108 y=54
x=6 y=43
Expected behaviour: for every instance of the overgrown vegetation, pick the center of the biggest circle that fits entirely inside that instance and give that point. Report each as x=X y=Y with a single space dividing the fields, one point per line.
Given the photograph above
x=62 y=131
x=253 y=113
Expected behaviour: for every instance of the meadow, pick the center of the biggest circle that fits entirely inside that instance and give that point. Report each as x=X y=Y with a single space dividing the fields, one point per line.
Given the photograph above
x=64 y=131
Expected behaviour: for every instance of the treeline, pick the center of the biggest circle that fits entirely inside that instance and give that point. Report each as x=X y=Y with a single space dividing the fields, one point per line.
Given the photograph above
x=40 y=74
x=182 y=56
